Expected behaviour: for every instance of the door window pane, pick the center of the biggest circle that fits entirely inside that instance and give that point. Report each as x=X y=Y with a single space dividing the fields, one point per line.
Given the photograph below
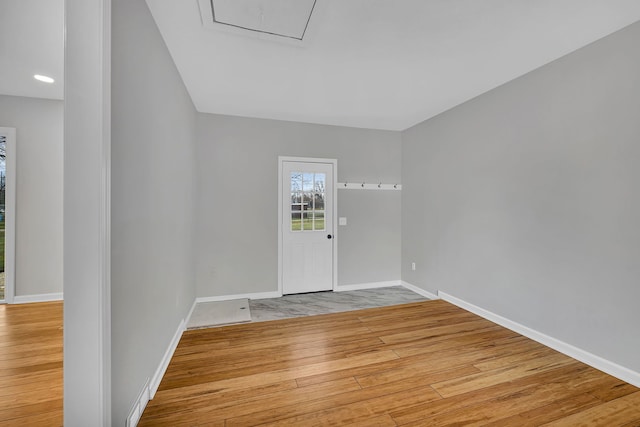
x=307 y=220
x=307 y=181
x=296 y=201
x=307 y=201
x=318 y=220
x=296 y=221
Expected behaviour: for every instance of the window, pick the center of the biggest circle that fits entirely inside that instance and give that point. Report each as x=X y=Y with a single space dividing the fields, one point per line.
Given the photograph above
x=307 y=201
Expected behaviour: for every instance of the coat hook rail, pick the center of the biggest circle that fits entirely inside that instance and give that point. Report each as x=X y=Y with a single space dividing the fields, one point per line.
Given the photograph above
x=368 y=186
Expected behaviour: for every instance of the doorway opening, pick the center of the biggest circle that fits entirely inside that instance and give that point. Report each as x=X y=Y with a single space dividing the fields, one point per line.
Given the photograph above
x=7 y=212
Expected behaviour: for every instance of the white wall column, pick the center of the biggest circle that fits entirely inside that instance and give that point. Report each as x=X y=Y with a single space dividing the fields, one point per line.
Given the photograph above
x=87 y=141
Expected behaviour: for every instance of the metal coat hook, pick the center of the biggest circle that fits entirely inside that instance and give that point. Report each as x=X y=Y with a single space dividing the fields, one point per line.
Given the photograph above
x=369 y=186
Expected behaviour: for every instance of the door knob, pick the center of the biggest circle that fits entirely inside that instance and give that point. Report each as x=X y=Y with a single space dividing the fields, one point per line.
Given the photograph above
x=329 y=236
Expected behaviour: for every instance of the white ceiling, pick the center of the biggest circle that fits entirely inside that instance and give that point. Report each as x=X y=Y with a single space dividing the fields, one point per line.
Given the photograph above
x=286 y=18
x=382 y=64
x=31 y=42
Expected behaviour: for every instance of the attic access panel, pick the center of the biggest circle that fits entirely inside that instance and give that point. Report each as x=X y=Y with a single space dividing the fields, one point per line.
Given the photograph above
x=281 y=18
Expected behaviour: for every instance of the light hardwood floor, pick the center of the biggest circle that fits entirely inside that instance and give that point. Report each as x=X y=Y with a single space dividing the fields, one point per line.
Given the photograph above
x=420 y=364
x=423 y=364
x=31 y=365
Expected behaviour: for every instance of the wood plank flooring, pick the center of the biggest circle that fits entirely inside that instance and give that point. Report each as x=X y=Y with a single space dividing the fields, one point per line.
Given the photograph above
x=31 y=364
x=420 y=364
x=417 y=364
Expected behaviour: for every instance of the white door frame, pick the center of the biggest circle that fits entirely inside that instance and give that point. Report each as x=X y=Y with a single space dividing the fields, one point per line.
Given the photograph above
x=334 y=162
x=10 y=215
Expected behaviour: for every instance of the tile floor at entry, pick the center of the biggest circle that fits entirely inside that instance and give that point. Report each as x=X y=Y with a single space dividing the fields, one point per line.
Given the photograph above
x=300 y=305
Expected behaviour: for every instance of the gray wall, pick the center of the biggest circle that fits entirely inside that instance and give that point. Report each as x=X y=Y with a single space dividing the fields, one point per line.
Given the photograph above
x=237 y=202
x=153 y=178
x=525 y=201
x=38 y=124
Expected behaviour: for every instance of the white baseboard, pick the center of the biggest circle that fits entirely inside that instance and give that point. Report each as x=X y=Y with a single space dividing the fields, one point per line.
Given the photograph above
x=338 y=288
x=193 y=307
x=24 y=299
x=258 y=295
x=419 y=291
x=151 y=386
x=590 y=359
x=138 y=408
x=164 y=363
x=360 y=286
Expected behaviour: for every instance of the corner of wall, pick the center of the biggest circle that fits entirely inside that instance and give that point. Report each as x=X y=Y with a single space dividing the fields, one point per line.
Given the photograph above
x=419 y=291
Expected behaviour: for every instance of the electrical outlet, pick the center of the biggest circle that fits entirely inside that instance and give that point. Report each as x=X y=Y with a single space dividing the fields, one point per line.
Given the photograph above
x=413 y=266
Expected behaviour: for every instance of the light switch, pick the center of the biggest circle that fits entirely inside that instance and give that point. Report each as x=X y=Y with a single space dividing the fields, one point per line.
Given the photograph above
x=342 y=220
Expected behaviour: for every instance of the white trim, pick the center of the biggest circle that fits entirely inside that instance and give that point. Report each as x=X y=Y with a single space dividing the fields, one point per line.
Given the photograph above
x=105 y=215
x=590 y=359
x=259 y=295
x=371 y=285
x=10 y=214
x=280 y=246
x=138 y=408
x=419 y=291
x=334 y=222
x=339 y=288
x=164 y=363
x=24 y=299
x=166 y=359
x=193 y=307
x=334 y=162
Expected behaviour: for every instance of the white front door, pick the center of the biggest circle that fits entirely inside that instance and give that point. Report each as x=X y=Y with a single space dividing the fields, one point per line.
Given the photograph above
x=307 y=226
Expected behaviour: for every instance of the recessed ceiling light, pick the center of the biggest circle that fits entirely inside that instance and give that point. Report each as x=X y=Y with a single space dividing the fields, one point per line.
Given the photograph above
x=45 y=79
